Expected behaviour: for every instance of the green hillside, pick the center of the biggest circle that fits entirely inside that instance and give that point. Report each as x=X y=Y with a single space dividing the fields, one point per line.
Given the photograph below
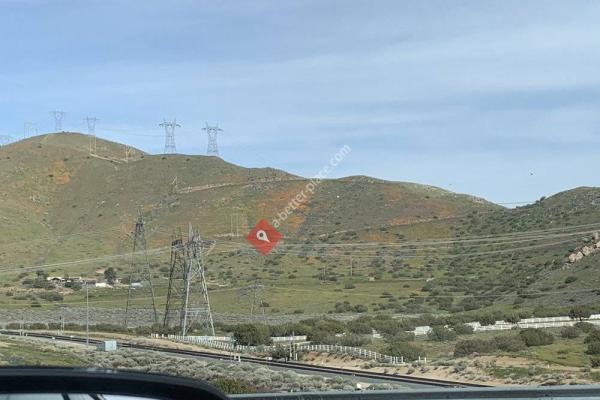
x=358 y=244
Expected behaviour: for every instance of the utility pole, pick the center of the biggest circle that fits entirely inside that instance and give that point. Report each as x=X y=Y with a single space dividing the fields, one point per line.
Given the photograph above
x=212 y=132
x=91 y=127
x=87 y=314
x=236 y=224
x=170 y=135
x=139 y=273
x=58 y=120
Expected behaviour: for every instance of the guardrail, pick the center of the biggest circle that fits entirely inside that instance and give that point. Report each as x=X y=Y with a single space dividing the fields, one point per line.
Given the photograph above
x=542 y=322
x=348 y=350
x=513 y=393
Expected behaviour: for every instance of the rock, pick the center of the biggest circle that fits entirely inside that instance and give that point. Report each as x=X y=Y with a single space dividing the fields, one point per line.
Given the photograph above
x=587 y=250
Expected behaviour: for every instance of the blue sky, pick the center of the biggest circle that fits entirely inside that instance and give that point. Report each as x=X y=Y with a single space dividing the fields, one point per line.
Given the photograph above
x=494 y=98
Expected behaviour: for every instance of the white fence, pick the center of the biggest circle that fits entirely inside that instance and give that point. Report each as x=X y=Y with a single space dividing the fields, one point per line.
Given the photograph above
x=232 y=347
x=547 y=322
x=354 y=351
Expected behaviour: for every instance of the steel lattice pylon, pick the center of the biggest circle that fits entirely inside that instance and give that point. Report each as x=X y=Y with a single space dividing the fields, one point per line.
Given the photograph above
x=170 y=147
x=188 y=304
x=212 y=132
x=139 y=273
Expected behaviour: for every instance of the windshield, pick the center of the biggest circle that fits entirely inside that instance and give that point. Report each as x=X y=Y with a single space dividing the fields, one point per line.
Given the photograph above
x=302 y=196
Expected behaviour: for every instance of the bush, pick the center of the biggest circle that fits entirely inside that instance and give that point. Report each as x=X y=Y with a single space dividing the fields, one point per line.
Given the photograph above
x=355 y=340
x=580 y=313
x=593 y=348
x=595 y=362
x=359 y=327
x=408 y=351
x=570 y=279
x=463 y=329
x=402 y=336
x=570 y=332
x=536 y=337
x=585 y=327
x=509 y=343
x=441 y=334
x=593 y=336
x=232 y=386
x=36 y=326
x=51 y=296
x=252 y=334
x=466 y=347
x=279 y=352
x=486 y=319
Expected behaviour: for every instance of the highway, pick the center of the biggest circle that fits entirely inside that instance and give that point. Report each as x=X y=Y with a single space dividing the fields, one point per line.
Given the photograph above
x=407 y=380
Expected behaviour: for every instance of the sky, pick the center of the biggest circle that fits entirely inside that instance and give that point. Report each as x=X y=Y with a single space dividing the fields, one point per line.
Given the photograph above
x=497 y=99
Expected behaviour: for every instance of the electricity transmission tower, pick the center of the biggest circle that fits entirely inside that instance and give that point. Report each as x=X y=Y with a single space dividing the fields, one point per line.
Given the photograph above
x=139 y=273
x=58 y=119
x=188 y=305
x=255 y=293
x=170 y=135
x=91 y=127
x=212 y=132
x=5 y=139
x=29 y=129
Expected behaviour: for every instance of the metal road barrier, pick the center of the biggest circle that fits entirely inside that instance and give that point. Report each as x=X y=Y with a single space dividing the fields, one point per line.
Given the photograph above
x=497 y=393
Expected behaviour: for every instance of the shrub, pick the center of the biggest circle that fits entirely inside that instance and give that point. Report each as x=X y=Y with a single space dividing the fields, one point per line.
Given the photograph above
x=355 y=340
x=593 y=336
x=509 y=343
x=512 y=318
x=585 y=327
x=570 y=279
x=252 y=334
x=359 y=327
x=595 y=362
x=441 y=334
x=536 y=337
x=593 y=348
x=486 y=319
x=232 y=386
x=279 y=352
x=466 y=347
x=402 y=336
x=408 y=351
x=580 y=313
x=51 y=296
x=570 y=332
x=463 y=329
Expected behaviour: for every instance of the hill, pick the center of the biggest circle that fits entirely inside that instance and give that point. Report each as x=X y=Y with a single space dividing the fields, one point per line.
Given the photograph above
x=357 y=244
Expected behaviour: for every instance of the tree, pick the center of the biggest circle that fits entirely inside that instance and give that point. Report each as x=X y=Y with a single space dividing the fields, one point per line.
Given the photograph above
x=536 y=337
x=441 y=334
x=110 y=274
x=252 y=334
x=580 y=313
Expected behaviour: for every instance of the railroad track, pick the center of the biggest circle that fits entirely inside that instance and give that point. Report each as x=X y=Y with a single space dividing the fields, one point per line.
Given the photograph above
x=256 y=360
